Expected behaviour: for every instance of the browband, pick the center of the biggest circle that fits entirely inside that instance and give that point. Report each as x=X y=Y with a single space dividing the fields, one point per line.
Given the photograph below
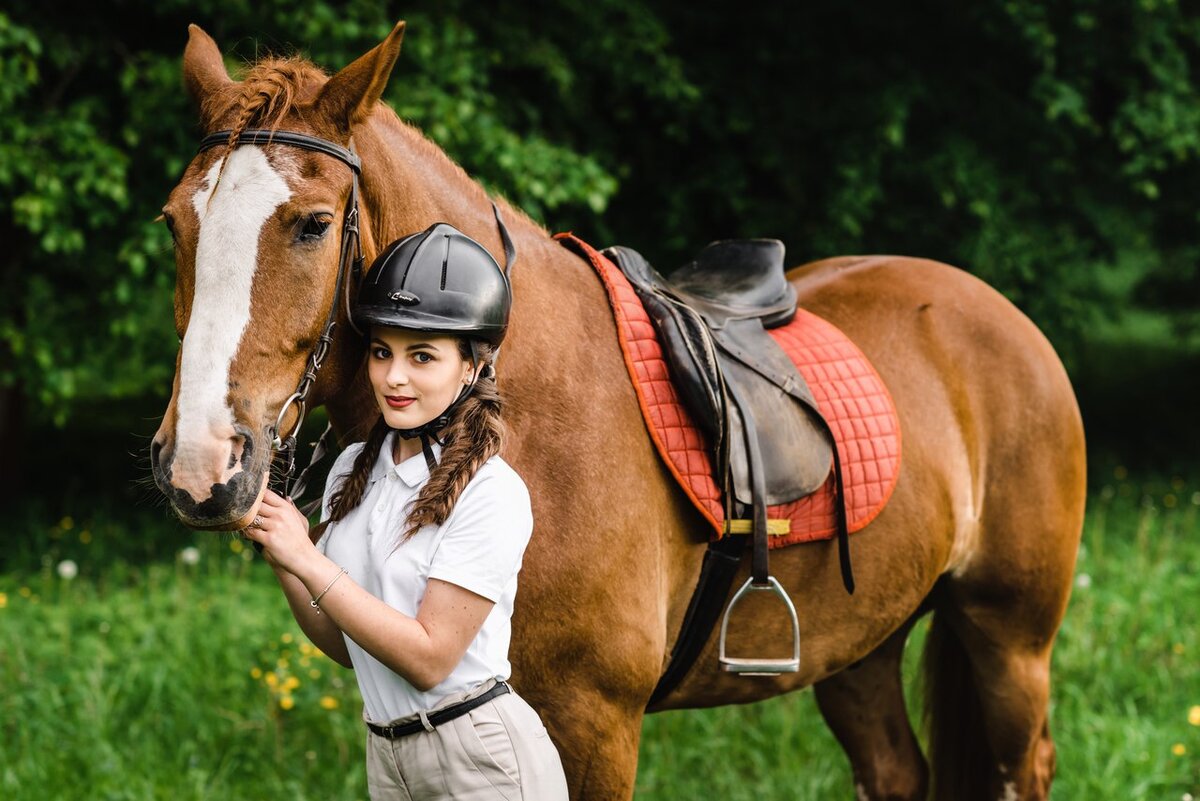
x=264 y=136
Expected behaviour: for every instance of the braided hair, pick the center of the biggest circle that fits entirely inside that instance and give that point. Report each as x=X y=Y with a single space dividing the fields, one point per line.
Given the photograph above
x=474 y=434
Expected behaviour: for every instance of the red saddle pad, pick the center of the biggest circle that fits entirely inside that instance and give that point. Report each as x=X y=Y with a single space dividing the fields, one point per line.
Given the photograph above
x=848 y=391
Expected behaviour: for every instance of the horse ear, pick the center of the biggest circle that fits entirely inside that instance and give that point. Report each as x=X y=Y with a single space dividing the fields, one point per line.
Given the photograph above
x=204 y=72
x=350 y=96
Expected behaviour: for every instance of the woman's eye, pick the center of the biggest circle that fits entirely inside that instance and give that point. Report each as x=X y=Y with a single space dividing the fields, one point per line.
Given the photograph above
x=422 y=358
x=313 y=229
x=380 y=353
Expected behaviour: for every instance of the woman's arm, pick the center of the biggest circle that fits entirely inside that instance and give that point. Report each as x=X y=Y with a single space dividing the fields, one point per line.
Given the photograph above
x=424 y=650
x=320 y=629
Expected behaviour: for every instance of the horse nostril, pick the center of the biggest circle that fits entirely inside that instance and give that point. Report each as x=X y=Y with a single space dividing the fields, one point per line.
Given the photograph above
x=235 y=451
x=242 y=449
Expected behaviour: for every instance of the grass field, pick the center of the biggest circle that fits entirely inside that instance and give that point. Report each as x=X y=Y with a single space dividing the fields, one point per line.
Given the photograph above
x=185 y=678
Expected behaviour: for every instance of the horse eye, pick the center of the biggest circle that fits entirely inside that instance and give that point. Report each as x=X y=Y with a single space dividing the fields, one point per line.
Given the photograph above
x=170 y=221
x=313 y=229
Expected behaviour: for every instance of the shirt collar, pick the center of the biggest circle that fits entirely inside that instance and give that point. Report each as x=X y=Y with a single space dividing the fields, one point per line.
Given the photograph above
x=412 y=470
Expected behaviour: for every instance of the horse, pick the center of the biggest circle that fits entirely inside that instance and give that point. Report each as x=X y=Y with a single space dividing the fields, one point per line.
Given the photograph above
x=982 y=528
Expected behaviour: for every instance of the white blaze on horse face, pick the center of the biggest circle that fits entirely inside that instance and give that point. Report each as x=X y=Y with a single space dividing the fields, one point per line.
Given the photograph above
x=231 y=221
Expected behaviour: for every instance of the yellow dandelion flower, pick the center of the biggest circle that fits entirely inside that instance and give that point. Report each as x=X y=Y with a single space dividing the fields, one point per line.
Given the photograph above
x=1178 y=749
x=236 y=546
x=85 y=536
x=272 y=680
x=66 y=523
x=3 y=600
x=1178 y=648
x=305 y=661
x=305 y=648
x=314 y=674
x=287 y=702
x=287 y=637
x=290 y=683
x=256 y=673
x=329 y=702
x=1194 y=716
x=25 y=592
x=282 y=663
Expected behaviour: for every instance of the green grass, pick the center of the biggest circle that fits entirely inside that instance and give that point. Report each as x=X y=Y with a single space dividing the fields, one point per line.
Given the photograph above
x=167 y=680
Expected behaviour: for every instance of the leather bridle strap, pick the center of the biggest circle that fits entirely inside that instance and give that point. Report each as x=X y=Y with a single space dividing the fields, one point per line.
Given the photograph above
x=351 y=261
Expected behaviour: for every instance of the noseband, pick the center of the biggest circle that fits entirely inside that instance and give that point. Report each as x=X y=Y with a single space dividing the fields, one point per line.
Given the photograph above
x=351 y=261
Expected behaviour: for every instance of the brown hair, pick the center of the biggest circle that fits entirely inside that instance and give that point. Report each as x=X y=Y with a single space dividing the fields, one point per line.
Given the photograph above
x=474 y=434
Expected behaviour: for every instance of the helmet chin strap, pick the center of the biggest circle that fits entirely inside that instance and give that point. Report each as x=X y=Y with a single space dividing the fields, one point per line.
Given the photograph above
x=429 y=430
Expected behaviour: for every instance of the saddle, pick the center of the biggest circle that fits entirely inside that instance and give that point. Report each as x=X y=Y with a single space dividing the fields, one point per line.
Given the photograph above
x=739 y=385
x=770 y=443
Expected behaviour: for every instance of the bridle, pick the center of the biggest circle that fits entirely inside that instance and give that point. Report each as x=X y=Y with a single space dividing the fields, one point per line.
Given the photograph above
x=349 y=270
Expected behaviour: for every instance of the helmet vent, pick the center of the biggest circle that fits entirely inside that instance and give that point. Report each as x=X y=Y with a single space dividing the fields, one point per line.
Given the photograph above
x=405 y=298
x=445 y=260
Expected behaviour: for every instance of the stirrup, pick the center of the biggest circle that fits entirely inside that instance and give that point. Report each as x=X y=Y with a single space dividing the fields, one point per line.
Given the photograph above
x=761 y=667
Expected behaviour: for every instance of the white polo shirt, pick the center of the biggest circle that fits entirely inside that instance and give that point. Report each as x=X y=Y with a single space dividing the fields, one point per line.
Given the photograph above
x=479 y=548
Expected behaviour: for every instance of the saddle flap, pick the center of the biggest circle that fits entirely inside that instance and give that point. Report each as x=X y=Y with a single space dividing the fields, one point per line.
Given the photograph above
x=795 y=448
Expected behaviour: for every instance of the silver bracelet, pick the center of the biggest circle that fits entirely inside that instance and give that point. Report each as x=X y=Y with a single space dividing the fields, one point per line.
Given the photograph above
x=314 y=602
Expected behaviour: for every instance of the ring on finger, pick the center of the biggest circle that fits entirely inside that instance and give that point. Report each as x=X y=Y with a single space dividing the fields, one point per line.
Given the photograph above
x=257 y=522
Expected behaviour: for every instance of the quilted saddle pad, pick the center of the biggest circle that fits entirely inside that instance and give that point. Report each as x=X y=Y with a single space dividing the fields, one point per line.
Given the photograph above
x=848 y=391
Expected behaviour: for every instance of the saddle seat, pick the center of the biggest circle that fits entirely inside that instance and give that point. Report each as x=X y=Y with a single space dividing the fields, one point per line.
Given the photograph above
x=741 y=388
x=736 y=279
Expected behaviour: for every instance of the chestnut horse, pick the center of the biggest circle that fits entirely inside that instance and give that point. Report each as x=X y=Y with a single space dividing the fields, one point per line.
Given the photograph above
x=982 y=527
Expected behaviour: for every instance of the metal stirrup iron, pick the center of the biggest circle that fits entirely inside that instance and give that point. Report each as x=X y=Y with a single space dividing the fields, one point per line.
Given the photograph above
x=760 y=578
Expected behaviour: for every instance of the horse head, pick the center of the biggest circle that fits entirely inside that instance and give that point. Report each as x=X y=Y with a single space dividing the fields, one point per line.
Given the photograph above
x=258 y=234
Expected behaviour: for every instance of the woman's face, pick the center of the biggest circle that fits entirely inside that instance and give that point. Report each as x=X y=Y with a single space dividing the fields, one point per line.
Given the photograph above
x=415 y=375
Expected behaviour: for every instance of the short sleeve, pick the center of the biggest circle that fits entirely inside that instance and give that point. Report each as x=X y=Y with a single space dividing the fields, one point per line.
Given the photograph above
x=337 y=474
x=486 y=534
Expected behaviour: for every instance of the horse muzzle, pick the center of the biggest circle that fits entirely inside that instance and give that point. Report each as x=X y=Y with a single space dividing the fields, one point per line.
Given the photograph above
x=213 y=484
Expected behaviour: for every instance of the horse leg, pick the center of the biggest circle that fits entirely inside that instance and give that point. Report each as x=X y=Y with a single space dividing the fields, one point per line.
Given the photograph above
x=864 y=707
x=598 y=744
x=991 y=736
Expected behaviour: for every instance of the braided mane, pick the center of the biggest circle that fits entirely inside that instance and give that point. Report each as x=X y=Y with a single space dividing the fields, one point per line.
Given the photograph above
x=272 y=88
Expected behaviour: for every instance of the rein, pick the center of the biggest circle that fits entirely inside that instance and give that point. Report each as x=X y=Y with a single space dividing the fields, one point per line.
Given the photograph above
x=349 y=270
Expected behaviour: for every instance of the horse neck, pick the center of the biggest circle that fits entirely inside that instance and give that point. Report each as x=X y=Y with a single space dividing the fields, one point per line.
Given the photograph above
x=409 y=184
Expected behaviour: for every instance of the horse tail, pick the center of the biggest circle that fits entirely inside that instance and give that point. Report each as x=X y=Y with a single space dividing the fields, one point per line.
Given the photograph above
x=959 y=755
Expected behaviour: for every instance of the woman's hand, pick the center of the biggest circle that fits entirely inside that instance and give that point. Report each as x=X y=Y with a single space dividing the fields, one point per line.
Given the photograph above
x=283 y=532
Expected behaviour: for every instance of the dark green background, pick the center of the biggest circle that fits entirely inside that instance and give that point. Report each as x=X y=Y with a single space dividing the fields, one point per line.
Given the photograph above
x=1050 y=148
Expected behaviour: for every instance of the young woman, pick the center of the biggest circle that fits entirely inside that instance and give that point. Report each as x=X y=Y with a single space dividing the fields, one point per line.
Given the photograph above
x=412 y=579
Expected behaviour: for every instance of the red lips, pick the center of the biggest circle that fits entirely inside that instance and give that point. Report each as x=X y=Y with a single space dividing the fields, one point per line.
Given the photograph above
x=398 y=401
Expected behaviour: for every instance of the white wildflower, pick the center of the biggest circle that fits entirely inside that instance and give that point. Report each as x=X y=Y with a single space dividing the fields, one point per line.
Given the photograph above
x=68 y=569
x=190 y=555
x=1083 y=581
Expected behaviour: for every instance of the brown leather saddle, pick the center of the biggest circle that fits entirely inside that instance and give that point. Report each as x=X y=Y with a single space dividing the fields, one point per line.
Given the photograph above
x=770 y=443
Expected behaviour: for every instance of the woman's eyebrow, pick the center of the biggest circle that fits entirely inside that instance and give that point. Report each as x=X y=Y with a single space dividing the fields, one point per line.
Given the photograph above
x=421 y=345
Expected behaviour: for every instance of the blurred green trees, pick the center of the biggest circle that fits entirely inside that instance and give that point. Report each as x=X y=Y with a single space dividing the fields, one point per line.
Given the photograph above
x=1050 y=148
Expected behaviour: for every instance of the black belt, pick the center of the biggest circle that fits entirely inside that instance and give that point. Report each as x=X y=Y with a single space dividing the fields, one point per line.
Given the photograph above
x=441 y=716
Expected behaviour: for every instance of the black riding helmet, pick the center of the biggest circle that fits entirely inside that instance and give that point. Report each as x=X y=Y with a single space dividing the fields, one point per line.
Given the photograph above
x=439 y=280
x=444 y=282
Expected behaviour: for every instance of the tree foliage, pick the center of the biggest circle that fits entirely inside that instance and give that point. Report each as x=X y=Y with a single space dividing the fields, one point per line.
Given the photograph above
x=1051 y=148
